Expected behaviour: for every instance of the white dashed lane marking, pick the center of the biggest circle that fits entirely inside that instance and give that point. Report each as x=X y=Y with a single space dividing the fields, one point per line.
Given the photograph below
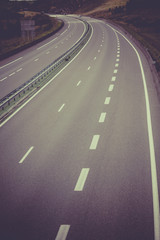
x=94 y=142
x=111 y=86
x=11 y=74
x=25 y=156
x=3 y=79
x=60 y=109
x=107 y=100
x=19 y=70
x=78 y=83
x=113 y=79
x=63 y=232
x=82 y=179
x=102 y=117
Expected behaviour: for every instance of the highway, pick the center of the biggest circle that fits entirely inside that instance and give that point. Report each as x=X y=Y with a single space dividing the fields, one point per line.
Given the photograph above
x=24 y=65
x=80 y=161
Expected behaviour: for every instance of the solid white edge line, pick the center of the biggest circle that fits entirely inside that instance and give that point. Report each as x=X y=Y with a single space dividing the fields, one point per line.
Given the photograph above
x=27 y=153
x=94 y=142
x=82 y=179
x=155 y=194
x=4 y=122
x=47 y=43
x=11 y=62
x=63 y=32
x=63 y=232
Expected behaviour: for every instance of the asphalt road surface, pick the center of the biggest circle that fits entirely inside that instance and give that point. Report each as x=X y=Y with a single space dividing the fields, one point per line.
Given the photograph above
x=80 y=161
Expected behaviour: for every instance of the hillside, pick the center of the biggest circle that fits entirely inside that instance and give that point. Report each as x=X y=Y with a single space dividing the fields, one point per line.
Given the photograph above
x=90 y=8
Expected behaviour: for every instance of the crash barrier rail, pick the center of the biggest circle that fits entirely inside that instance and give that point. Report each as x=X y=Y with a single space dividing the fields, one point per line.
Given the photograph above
x=42 y=77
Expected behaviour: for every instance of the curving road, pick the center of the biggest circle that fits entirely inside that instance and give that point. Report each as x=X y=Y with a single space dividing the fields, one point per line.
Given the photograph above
x=18 y=69
x=80 y=161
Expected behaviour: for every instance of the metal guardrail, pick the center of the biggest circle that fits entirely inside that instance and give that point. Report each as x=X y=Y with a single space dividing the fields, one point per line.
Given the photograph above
x=46 y=74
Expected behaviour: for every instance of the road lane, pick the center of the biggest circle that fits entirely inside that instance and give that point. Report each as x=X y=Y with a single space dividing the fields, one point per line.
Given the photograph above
x=34 y=59
x=116 y=201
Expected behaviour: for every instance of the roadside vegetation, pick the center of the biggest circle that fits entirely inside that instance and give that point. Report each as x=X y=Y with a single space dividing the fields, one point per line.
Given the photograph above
x=102 y=6
x=141 y=18
x=145 y=27
x=11 y=39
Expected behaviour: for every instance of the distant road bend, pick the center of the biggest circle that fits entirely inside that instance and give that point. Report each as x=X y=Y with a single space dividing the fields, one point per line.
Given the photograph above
x=80 y=159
